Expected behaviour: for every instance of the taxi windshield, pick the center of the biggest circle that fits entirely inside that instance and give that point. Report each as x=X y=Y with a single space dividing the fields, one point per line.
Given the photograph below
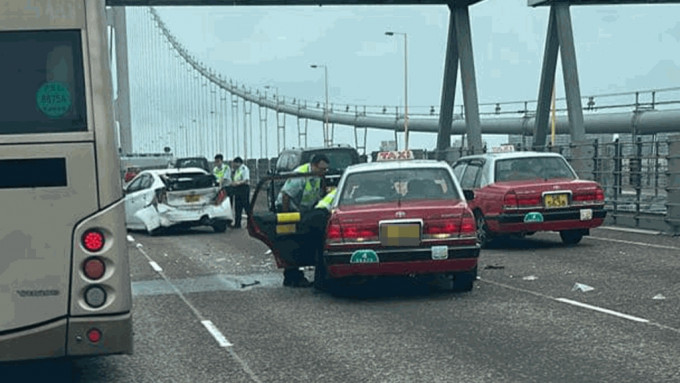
x=526 y=168
x=397 y=184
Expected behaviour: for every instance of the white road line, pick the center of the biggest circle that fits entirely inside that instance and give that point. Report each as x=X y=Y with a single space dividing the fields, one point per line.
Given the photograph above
x=634 y=243
x=200 y=317
x=600 y=309
x=155 y=266
x=215 y=332
x=645 y=321
x=630 y=230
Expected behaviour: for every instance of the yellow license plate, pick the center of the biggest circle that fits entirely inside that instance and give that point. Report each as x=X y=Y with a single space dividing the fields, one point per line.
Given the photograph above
x=400 y=234
x=192 y=198
x=556 y=200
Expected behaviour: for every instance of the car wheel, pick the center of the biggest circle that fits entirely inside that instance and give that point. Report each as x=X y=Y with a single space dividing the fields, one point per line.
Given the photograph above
x=220 y=226
x=155 y=232
x=464 y=281
x=571 y=237
x=484 y=237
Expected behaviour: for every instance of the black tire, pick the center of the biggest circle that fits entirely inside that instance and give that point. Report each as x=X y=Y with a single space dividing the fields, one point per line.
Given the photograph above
x=464 y=282
x=155 y=232
x=220 y=226
x=484 y=236
x=571 y=237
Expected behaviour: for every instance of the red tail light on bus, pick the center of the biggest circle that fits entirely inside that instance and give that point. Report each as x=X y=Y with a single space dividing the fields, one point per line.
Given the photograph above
x=93 y=240
x=94 y=268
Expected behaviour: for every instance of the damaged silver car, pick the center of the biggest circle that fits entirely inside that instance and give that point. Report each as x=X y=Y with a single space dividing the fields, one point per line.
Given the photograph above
x=161 y=198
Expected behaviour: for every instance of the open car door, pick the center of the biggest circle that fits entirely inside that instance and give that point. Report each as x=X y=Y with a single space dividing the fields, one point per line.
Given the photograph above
x=285 y=233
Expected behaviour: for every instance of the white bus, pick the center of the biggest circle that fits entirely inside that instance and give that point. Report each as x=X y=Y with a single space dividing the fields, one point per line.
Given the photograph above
x=64 y=273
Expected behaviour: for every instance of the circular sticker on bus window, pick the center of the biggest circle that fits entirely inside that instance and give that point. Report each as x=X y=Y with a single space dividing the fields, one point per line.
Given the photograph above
x=53 y=99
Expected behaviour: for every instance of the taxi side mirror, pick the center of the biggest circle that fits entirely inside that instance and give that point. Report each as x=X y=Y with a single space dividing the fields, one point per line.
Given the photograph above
x=469 y=194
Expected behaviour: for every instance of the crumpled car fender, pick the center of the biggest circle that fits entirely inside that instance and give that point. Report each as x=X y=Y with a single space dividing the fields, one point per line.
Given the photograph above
x=164 y=215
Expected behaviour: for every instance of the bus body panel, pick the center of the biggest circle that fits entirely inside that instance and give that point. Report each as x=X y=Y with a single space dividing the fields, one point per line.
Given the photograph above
x=52 y=14
x=66 y=182
x=100 y=114
x=36 y=231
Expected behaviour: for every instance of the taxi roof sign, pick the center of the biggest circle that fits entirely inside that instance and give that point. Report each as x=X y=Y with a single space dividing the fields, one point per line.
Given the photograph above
x=508 y=148
x=393 y=155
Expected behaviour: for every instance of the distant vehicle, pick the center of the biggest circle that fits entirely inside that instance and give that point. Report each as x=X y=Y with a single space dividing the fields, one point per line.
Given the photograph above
x=388 y=218
x=144 y=161
x=191 y=162
x=65 y=286
x=525 y=192
x=341 y=156
x=185 y=197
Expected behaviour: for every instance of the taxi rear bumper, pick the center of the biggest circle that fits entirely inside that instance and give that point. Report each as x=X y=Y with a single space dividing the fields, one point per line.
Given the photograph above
x=402 y=262
x=565 y=219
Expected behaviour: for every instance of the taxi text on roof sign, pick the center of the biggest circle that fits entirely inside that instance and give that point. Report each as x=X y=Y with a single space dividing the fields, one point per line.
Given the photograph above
x=503 y=149
x=395 y=155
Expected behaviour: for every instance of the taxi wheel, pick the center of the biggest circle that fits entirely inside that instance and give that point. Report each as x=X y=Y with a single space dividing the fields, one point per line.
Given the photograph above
x=571 y=237
x=463 y=282
x=483 y=234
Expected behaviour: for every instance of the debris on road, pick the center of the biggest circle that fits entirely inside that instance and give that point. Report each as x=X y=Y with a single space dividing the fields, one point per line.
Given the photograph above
x=582 y=287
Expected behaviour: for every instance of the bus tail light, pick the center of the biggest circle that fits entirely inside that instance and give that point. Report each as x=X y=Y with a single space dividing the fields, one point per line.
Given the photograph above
x=95 y=296
x=94 y=335
x=93 y=240
x=94 y=268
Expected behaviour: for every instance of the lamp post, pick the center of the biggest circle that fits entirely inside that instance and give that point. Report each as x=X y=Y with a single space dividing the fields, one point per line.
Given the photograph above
x=389 y=33
x=325 y=112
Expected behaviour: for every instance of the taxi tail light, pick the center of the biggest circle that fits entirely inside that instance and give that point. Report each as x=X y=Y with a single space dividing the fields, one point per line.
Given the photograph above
x=468 y=225
x=529 y=201
x=510 y=200
x=359 y=233
x=596 y=195
x=440 y=230
x=333 y=232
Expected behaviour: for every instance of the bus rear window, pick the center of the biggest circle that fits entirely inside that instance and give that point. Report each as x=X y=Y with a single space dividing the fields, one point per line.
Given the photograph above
x=43 y=84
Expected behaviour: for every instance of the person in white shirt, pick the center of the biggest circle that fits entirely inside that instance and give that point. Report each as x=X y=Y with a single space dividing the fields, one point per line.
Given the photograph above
x=241 y=187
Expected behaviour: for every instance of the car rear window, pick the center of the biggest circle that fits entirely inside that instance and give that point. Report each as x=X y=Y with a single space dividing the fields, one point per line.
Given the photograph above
x=398 y=184
x=340 y=159
x=526 y=168
x=187 y=181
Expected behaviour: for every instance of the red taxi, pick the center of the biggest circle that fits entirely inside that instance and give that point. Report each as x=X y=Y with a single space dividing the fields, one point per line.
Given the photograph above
x=525 y=192
x=407 y=218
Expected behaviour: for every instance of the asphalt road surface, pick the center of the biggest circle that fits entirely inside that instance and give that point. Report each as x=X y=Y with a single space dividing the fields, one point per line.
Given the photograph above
x=211 y=308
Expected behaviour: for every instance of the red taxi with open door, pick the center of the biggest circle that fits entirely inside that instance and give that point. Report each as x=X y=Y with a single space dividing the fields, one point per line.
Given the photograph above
x=525 y=192
x=402 y=217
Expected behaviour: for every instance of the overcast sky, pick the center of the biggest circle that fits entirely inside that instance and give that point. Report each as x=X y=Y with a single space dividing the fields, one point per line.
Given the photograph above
x=618 y=47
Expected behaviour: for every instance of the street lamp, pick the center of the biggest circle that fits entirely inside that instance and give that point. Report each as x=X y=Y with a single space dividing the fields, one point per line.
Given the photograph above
x=389 y=33
x=325 y=125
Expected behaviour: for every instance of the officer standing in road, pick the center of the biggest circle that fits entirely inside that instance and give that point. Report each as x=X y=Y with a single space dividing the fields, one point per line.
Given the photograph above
x=241 y=189
x=302 y=194
x=221 y=171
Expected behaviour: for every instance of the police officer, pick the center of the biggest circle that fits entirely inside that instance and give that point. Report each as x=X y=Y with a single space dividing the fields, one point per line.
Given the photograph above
x=221 y=171
x=302 y=194
x=241 y=189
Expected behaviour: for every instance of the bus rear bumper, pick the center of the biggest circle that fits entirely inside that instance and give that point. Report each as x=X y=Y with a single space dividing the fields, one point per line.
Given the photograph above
x=116 y=335
x=46 y=341
x=68 y=337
